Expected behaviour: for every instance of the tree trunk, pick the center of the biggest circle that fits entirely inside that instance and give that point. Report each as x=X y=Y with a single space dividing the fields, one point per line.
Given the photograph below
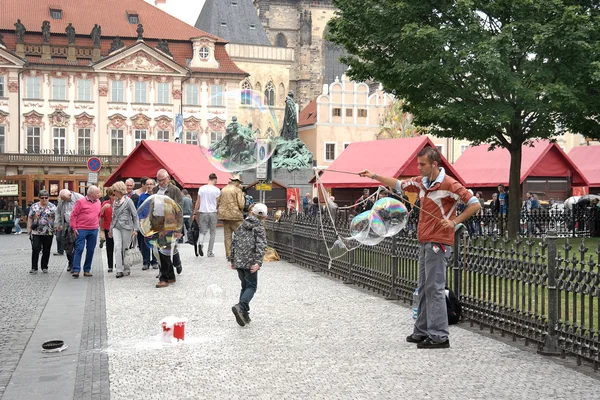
x=514 y=192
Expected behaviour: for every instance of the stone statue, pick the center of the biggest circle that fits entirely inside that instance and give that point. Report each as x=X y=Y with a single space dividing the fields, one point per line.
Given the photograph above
x=2 y=41
x=238 y=146
x=70 y=30
x=95 y=34
x=46 y=31
x=163 y=46
x=116 y=45
x=289 y=131
x=20 y=31
x=140 y=32
x=306 y=28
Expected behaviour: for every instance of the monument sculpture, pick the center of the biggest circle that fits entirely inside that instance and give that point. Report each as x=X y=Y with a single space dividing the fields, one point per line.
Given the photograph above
x=163 y=46
x=95 y=34
x=291 y=153
x=20 y=31
x=46 y=31
x=116 y=44
x=140 y=32
x=70 y=31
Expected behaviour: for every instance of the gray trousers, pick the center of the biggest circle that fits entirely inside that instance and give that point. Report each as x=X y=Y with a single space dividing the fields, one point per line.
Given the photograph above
x=208 y=221
x=122 y=239
x=432 y=318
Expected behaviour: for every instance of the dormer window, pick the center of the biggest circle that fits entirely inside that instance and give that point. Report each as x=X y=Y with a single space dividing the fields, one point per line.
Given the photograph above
x=133 y=18
x=204 y=53
x=55 y=13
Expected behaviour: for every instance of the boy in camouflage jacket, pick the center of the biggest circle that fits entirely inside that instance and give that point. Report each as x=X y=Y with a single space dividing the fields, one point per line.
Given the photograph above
x=247 y=252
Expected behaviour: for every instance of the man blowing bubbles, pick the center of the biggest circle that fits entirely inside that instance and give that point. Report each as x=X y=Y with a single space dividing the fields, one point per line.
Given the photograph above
x=439 y=195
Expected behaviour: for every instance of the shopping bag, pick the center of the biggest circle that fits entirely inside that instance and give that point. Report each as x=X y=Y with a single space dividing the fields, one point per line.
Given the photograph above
x=133 y=256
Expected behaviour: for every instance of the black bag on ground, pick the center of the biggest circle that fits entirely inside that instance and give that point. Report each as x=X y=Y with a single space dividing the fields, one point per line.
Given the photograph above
x=453 y=307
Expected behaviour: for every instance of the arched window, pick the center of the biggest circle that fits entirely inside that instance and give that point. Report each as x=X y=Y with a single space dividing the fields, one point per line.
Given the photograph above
x=246 y=94
x=270 y=94
x=332 y=66
x=280 y=40
x=258 y=87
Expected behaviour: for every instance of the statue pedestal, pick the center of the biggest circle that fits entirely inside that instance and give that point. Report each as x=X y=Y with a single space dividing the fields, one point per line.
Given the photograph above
x=20 y=50
x=46 y=55
x=71 y=53
x=96 y=54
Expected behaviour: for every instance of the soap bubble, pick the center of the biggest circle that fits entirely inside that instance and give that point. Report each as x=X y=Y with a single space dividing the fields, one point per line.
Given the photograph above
x=388 y=216
x=214 y=294
x=342 y=246
x=160 y=218
x=361 y=228
x=249 y=138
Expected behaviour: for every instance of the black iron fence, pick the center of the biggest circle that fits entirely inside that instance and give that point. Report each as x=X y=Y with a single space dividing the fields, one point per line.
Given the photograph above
x=543 y=290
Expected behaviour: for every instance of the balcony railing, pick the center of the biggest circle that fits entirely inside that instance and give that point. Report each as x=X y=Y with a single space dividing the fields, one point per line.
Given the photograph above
x=54 y=159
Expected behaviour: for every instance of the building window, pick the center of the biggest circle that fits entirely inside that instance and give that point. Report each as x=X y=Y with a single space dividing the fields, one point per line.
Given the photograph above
x=192 y=95
x=463 y=148
x=203 y=52
x=55 y=14
x=216 y=137
x=440 y=148
x=162 y=136
x=116 y=142
x=337 y=112
x=59 y=140
x=329 y=151
x=140 y=92
x=2 y=138
x=348 y=112
x=1 y=86
x=362 y=113
x=139 y=135
x=191 y=138
x=84 y=141
x=84 y=90
x=346 y=145
x=270 y=94
x=216 y=95
x=133 y=18
x=59 y=89
x=118 y=91
x=280 y=40
x=163 y=93
x=246 y=93
x=33 y=139
x=34 y=87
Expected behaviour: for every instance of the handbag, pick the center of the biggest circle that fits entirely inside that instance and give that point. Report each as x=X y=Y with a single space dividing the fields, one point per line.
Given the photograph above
x=133 y=256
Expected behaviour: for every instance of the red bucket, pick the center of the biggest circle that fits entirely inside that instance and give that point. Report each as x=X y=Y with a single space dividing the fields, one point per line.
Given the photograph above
x=179 y=330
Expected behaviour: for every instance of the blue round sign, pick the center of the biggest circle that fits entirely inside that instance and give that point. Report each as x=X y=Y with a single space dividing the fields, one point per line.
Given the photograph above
x=94 y=164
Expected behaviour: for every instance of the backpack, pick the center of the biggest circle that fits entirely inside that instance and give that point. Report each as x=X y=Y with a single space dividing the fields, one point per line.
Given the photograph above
x=453 y=307
x=248 y=201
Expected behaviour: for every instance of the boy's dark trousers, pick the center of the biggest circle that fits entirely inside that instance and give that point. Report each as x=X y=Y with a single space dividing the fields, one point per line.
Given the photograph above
x=249 y=283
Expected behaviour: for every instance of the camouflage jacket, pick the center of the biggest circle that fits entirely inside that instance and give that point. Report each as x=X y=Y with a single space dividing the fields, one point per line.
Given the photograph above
x=249 y=243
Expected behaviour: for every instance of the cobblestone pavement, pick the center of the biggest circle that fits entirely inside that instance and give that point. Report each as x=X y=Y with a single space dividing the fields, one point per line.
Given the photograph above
x=311 y=337
x=22 y=299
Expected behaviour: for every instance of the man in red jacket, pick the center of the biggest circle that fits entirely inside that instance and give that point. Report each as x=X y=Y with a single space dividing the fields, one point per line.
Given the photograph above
x=438 y=195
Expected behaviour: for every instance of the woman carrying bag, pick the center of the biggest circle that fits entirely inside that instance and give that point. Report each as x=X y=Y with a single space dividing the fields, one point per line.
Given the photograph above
x=123 y=227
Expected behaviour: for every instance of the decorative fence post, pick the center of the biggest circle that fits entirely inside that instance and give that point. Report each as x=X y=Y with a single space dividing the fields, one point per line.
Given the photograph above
x=292 y=257
x=550 y=347
x=394 y=265
x=458 y=238
x=317 y=265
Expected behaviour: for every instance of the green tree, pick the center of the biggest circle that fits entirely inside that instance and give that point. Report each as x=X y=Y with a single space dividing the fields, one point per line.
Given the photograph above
x=503 y=72
x=397 y=123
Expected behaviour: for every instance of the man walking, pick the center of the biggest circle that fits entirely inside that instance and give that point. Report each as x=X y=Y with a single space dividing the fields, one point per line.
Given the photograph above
x=17 y=214
x=66 y=203
x=438 y=195
x=85 y=220
x=502 y=207
x=166 y=188
x=230 y=206
x=206 y=213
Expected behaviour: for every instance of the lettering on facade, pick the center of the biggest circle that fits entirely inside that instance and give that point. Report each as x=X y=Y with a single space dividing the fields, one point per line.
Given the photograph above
x=59 y=152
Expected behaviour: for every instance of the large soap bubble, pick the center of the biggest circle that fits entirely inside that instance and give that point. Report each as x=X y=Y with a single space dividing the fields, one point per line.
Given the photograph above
x=367 y=228
x=160 y=218
x=388 y=216
x=249 y=138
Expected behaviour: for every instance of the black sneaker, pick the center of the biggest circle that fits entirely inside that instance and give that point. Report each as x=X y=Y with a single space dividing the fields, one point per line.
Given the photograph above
x=418 y=339
x=200 y=251
x=429 y=344
x=179 y=268
x=33 y=271
x=69 y=268
x=247 y=318
x=110 y=270
x=239 y=315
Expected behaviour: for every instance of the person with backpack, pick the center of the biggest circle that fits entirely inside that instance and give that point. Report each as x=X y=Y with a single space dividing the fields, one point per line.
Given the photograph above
x=247 y=252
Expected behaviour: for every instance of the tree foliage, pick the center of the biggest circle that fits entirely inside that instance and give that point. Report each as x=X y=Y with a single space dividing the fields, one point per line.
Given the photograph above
x=503 y=72
x=397 y=123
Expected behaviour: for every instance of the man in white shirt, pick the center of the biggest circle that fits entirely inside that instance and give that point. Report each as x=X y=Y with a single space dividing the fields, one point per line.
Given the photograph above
x=206 y=213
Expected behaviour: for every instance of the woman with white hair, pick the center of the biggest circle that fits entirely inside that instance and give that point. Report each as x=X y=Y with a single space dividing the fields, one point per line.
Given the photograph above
x=123 y=227
x=40 y=226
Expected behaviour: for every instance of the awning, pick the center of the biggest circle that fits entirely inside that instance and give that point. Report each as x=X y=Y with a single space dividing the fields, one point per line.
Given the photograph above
x=587 y=159
x=185 y=163
x=391 y=157
x=480 y=167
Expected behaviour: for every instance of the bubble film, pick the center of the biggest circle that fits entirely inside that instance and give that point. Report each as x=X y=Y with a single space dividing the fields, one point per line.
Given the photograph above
x=250 y=140
x=361 y=228
x=160 y=218
x=388 y=217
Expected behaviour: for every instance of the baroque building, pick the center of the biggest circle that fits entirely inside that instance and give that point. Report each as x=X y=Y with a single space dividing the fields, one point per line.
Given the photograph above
x=76 y=81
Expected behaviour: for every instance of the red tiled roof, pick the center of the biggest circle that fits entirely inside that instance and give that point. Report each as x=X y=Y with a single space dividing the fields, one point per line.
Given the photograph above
x=587 y=159
x=308 y=116
x=185 y=163
x=111 y=15
x=226 y=64
x=480 y=167
x=391 y=157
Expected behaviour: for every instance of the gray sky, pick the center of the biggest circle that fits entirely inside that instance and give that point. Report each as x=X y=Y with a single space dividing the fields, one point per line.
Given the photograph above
x=185 y=10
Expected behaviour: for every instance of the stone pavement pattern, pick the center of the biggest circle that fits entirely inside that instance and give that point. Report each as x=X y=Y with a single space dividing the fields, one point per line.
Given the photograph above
x=311 y=337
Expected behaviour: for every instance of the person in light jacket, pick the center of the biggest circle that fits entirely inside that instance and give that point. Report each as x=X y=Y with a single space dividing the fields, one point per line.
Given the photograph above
x=123 y=227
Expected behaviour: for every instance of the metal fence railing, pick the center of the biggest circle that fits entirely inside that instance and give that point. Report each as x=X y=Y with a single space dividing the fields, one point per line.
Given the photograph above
x=540 y=289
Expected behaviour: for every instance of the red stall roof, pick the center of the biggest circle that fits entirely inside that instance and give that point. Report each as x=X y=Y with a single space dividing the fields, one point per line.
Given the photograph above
x=480 y=167
x=587 y=159
x=185 y=163
x=390 y=157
